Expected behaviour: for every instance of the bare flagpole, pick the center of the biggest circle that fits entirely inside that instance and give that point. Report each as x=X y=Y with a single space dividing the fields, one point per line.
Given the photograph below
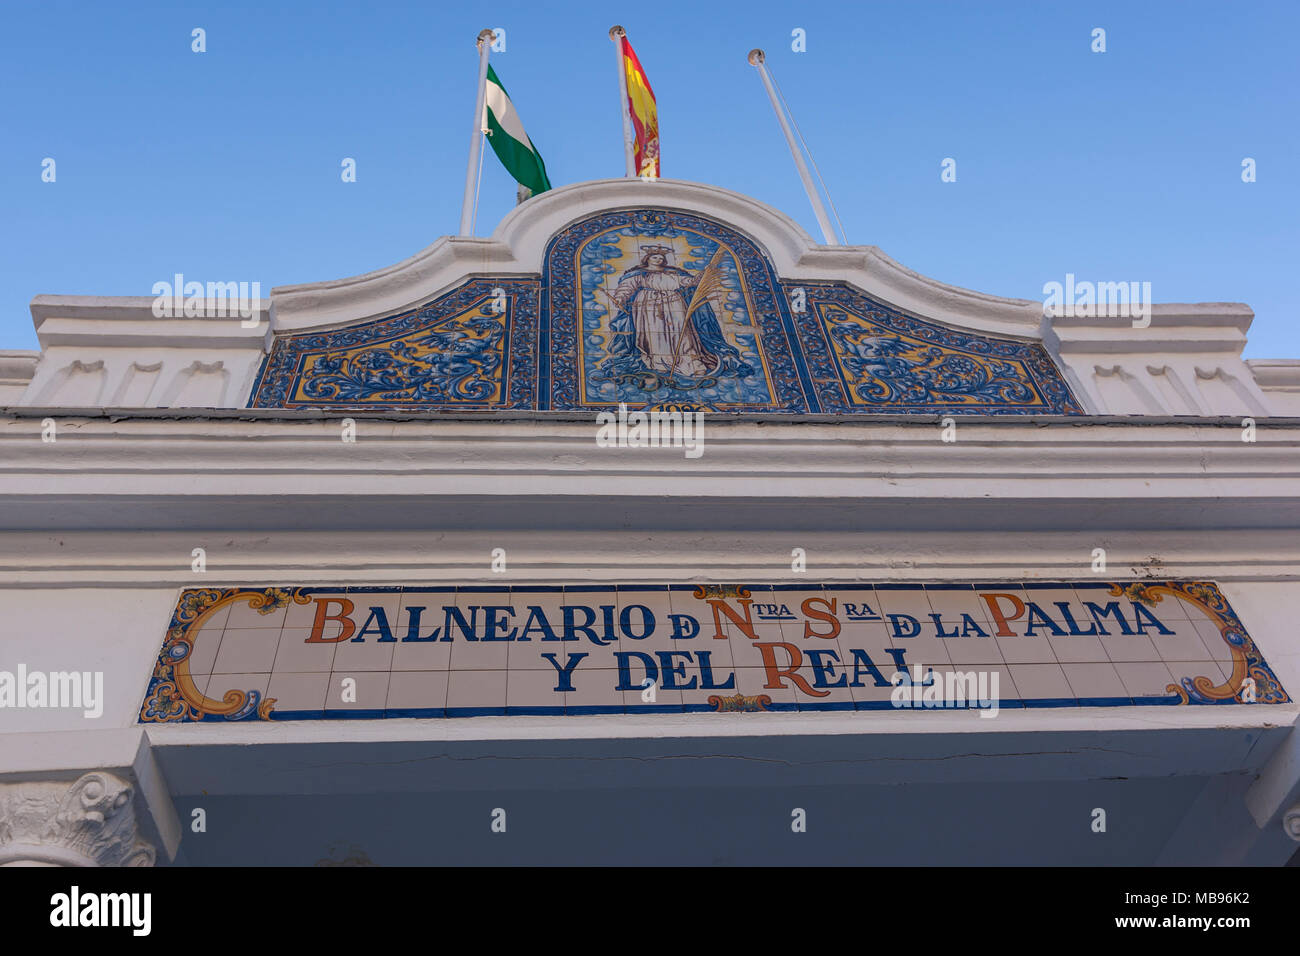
x=616 y=33
x=756 y=58
x=484 y=41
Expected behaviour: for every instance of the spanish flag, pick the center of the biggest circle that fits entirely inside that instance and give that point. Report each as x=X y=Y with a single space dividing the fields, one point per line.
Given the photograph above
x=641 y=108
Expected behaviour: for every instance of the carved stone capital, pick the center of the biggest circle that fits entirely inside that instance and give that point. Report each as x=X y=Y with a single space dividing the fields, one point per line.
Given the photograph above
x=1291 y=822
x=90 y=822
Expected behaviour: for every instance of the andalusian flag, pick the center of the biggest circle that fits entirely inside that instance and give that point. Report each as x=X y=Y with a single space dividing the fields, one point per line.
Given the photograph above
x=508 y=139
x=641 y=107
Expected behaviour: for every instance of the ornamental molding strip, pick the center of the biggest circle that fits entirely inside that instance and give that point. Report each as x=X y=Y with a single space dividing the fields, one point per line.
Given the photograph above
x=90 y=822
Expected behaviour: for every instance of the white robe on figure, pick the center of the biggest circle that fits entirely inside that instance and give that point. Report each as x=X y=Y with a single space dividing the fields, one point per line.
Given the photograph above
x=662 y=329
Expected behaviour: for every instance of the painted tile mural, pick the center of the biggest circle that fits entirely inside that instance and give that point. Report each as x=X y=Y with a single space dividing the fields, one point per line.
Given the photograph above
x=473 y=348
x=884 y=361
x=659 y=309
x=667 y=310
x=284 y=653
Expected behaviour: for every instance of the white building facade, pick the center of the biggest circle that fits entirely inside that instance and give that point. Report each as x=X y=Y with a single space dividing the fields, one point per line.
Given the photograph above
x=355 y=577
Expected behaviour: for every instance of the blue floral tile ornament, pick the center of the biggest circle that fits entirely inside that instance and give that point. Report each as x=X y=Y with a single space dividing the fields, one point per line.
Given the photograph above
x=870 y=358
x=473 y=348
x=660 y=309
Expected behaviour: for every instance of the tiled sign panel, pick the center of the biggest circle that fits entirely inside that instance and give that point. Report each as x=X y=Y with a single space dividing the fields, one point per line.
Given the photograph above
x=661 y=310
x=368 y=652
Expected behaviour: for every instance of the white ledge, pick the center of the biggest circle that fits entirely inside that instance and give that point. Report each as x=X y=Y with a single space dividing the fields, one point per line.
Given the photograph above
x=129 y=321
x=1276 y=373
x=18 y=366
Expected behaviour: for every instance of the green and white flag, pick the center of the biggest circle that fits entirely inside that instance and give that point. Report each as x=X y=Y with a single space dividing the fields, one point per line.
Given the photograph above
x=508 y=139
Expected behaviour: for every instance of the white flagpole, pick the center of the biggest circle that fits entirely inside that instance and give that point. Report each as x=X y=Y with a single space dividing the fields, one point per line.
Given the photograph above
x=616 y=33
x=485 y=38
x=756 y=59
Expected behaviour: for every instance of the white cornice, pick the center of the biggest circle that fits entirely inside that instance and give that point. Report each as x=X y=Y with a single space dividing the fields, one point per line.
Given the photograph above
x=517 y=246
x=60 y=559
x=17 y=366
x=129 y=321
x=156 y=474
x=1174 y=328
x=411 y=282
x=1281 y=374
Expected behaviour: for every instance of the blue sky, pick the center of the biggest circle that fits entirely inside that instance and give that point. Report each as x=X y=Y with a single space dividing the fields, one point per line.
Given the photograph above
x=225 y=165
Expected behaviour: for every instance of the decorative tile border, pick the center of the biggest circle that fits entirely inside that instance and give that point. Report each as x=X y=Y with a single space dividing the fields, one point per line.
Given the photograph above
x=369 y=652
x=474 y=348
x=581 y=339
x=868 y=357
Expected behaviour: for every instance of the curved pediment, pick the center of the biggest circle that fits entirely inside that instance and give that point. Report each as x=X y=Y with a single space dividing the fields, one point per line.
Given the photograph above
x=578 y=302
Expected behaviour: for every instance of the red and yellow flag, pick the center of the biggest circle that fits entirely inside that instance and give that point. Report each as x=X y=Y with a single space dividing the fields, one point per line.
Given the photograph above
x=641 y=107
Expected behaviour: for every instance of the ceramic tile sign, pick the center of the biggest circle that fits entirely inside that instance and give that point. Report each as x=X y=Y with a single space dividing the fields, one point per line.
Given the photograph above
x=659 y=309
x=281 y=653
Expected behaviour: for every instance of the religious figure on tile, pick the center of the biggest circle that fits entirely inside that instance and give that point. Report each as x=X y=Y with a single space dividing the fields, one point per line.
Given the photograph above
x=666 y=325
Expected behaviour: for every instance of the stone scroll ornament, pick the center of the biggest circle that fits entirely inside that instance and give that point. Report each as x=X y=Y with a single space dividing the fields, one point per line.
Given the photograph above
x=88 y=822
